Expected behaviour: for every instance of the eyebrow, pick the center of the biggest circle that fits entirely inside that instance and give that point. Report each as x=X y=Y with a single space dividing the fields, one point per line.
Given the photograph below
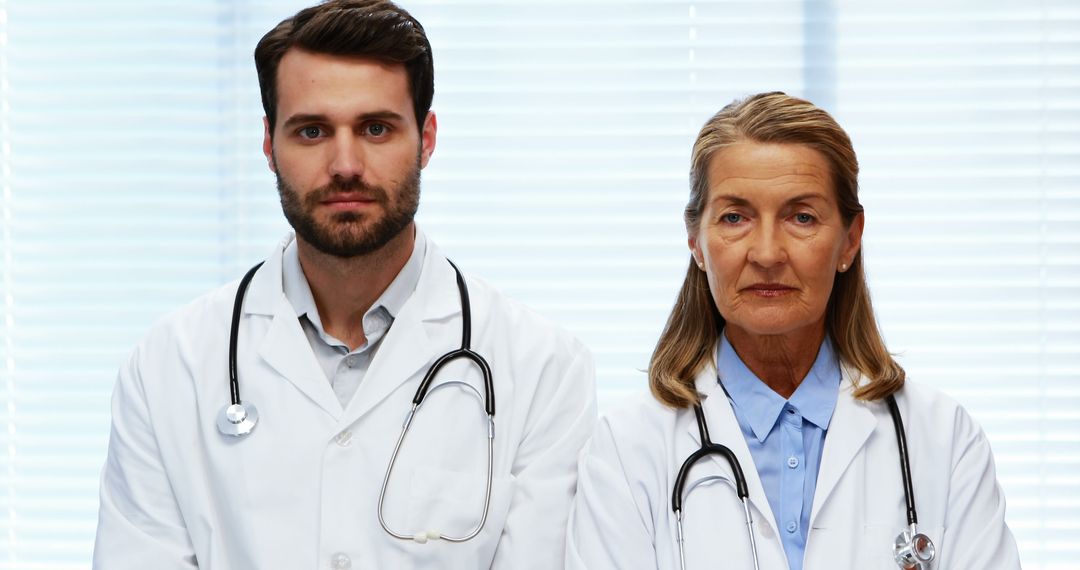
x=304 y=118
x=808 y=196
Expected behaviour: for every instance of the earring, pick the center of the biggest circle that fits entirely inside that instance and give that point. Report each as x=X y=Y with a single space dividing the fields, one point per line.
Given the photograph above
x=843 y=267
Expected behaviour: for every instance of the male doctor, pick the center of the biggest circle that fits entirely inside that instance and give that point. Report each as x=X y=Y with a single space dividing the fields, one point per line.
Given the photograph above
x=334 y=333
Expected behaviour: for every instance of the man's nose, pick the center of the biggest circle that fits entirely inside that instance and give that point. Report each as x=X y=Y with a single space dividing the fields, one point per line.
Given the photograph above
x=347 y=161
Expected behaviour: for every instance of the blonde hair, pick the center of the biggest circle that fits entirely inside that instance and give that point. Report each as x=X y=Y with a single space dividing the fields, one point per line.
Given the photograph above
x=693 y=328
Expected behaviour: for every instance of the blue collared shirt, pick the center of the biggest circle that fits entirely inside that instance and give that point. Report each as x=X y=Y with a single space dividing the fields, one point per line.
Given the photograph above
x=785 y=437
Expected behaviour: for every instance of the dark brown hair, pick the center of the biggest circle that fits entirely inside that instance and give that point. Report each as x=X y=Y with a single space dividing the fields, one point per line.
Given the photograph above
x=378 y=29
x=694 y=326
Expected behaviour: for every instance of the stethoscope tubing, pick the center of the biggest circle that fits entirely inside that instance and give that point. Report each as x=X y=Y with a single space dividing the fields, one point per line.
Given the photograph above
x=905 y=547
x=238 y=419
x=234 y=333
x=905 y=463
x=706 y=449
x=432 y=535
x=422 y=391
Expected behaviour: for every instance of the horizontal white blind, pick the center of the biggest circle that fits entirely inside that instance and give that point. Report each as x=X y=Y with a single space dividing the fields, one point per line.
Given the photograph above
x=132 y=180
x=966 y=117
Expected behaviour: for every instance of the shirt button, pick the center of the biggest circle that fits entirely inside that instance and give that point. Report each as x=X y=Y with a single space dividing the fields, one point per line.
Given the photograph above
x=792 y=462
x=344 y=438
x=340 y=561
x=350 y=360
x=792 y=526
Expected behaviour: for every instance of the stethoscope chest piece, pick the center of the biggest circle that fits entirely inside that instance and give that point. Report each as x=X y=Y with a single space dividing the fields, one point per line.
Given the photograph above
x=237 y=420
x=913 y=550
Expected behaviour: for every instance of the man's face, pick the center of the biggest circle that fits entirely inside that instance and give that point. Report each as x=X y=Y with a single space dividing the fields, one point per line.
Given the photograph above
x=346 y=150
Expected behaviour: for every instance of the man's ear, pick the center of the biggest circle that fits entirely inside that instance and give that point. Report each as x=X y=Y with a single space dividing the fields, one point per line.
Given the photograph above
x=268 y=146
x=427 y=138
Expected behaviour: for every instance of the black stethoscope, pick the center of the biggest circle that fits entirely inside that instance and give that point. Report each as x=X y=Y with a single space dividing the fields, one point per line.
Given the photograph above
x=911 y=549
x=239 y=418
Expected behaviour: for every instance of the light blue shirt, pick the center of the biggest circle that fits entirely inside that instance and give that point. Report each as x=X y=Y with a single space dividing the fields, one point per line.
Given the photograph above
x=346 y=369
x=785 y=437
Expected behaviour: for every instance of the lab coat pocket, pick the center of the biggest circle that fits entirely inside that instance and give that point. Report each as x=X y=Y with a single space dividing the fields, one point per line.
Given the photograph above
x=876 y=548
x=452 y=503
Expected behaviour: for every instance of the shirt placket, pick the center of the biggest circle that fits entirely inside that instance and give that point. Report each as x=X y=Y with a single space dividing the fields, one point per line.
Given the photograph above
x=793 y=478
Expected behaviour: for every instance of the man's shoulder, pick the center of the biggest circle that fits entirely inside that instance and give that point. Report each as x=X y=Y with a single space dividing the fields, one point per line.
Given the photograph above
x=211 y=308
x=505 y=314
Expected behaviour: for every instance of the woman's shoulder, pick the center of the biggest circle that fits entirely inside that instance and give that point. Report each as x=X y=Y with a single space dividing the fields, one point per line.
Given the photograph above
x=927 y=409
x=639 y=413
x=638 y=428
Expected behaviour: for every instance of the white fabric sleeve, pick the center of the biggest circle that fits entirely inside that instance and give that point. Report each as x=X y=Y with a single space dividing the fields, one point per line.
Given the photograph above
x=139 y=521
x=560 y=419
x=606 y=527
x=976 y=535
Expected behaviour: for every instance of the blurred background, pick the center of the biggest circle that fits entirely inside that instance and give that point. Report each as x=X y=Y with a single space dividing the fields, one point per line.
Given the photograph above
x=132 y=180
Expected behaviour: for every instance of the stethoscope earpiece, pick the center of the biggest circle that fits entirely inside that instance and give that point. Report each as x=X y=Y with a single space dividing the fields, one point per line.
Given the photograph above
x=237 y=420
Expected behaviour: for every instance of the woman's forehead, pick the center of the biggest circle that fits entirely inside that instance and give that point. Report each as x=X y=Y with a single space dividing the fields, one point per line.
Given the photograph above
x=769 y=172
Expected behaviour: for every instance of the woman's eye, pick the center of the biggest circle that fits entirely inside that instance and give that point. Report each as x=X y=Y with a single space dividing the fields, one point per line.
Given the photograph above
x=310 y=132
x=731 y=218
x=804 y=218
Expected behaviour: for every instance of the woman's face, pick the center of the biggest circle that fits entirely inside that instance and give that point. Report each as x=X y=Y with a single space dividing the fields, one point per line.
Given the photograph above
x=771 y=238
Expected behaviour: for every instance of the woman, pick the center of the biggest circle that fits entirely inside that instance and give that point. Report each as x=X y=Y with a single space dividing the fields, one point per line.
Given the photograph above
x=774 y=336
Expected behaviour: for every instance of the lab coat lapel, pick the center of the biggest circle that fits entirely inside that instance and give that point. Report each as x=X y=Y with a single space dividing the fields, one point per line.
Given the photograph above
x=724 y=430
x=850 y=428
x=284 y=346
x=286 y=349
x=414 y=341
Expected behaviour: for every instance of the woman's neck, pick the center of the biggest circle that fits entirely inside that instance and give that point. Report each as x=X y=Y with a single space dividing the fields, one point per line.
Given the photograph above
x=780 y=361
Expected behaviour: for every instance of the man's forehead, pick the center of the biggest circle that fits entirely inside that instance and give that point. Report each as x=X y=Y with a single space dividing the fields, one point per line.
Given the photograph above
x=307 y=78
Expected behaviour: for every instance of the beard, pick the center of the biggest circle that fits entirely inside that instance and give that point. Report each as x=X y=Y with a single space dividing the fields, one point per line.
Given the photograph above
x=352 y=234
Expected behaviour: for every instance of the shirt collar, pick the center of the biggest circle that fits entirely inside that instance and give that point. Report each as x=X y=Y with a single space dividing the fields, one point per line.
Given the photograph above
x=814 y=399
x=392 y=299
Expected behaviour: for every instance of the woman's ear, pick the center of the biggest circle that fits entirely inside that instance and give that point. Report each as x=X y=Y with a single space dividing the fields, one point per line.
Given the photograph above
x=695 y=250
x=853 y=240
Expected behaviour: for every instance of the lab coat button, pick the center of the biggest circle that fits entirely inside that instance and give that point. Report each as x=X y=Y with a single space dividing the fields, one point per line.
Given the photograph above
x=765 y=530
x=340 y=561
x=344 y=438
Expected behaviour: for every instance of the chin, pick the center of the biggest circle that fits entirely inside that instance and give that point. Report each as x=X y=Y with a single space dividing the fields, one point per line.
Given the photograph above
x=771 y=325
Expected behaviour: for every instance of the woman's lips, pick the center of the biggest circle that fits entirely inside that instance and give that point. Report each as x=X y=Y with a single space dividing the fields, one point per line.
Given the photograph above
x=769 y=290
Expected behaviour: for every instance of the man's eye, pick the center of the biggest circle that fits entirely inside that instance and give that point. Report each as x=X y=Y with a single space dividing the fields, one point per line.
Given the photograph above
x=376 y=129
x=310 y=132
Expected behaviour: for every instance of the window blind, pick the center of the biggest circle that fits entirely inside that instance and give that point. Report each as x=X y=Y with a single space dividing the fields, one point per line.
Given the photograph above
x=132 y=180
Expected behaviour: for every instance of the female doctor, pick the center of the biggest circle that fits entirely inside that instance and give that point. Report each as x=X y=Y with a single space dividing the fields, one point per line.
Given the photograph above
x=768 y=441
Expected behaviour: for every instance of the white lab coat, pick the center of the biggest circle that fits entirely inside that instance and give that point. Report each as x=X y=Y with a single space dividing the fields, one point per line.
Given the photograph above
x=301 y=490
x=622 y=515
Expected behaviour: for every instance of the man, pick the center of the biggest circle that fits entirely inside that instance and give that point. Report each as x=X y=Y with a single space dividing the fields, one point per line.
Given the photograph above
x=334 y=333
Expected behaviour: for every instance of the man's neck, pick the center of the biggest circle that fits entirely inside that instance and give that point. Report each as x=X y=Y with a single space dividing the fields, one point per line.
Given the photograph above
x=345 y=288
